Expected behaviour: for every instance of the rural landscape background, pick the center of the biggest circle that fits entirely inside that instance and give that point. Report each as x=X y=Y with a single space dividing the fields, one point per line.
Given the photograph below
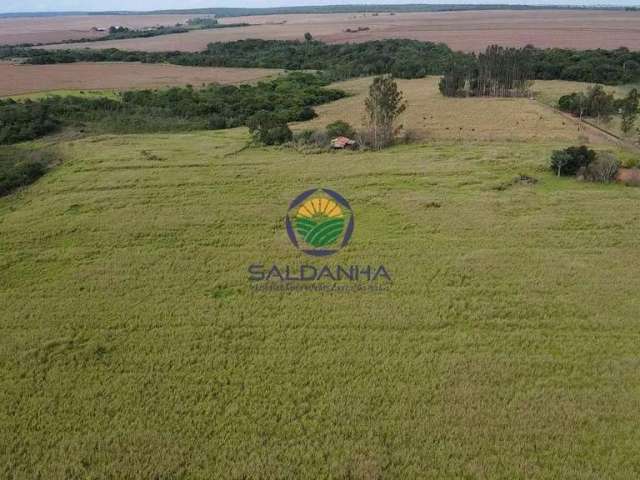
x=148 y=160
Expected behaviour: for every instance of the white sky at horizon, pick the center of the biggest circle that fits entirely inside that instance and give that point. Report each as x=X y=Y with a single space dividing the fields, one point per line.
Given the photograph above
x=11 y=6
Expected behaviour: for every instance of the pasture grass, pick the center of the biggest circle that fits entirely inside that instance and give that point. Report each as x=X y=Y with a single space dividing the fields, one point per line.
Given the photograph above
x=133 y=346
x=550 y=91
x=431 y=116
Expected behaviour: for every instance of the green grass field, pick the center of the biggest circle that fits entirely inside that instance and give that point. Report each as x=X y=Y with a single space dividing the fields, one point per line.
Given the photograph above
x=133 y=346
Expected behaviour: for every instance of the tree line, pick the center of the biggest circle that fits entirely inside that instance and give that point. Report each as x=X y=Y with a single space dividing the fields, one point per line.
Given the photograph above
x=597 y=103
x=401 y=58
x=288 y=98
x=498 y=72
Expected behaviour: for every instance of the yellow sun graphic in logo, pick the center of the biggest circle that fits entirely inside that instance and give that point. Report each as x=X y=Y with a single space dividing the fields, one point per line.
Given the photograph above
x=320 y=207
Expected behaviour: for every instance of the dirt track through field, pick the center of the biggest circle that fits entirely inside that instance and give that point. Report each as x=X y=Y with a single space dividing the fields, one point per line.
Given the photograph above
x=19 y=79
x=469 y=31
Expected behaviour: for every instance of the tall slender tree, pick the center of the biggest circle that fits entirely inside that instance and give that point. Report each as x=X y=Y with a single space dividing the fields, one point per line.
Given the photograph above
x=383 y=106
x=629 y=111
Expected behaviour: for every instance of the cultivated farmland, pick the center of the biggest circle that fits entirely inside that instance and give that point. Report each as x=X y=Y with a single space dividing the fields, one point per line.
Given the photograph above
x=469 y=31
x=20 y=79
x=132 y=344
x=14 y=31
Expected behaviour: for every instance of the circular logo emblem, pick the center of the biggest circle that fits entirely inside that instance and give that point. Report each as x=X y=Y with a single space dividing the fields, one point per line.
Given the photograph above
x=319 y=222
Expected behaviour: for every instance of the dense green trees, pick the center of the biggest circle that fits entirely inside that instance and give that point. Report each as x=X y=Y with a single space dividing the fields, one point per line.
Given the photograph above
x=22 y=167
x=498 y=72
x=596 y=66
x=585 y=164
x=24 y=121
x=269 y=128
x=597 y=103
x=571 y=160
x=594 y=103
x=289 y=98
x=454 y=80
x=401 y=58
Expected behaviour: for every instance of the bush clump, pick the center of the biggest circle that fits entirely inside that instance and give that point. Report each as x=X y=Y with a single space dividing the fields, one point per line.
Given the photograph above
x=306 y=113
x=269 y=129
x=603 y=169
x=340 y=128
x=20 y=168
x=20 y=122
x=311 y=140
x=569 y=161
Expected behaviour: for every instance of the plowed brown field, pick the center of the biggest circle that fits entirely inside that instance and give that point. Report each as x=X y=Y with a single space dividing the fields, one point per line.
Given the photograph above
x=19 y=79
x=15 y=31
x=460 y=30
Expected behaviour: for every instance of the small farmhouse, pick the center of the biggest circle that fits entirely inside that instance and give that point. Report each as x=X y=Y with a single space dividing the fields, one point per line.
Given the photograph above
x=342 y=143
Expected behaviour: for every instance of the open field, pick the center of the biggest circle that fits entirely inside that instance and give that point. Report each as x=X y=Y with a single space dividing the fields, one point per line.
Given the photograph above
x=469 y=31
x=14 y=31
x=432 y=116
x=20 y=79
x=132 y=345
x=548 y=92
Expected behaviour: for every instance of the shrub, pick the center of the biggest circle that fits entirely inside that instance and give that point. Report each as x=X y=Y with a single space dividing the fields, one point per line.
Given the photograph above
x=574 y=103
x=303 y=137
x=320 y=139
x=276 y=135
x=603 y=169
x=306 y=113
x=571 y=160
x=19 y=168
x=559 y=160
x=364 y=139
x=269 y=129
x=20 y=122
x=340 y=128
x=630 y=162
x=314 y=138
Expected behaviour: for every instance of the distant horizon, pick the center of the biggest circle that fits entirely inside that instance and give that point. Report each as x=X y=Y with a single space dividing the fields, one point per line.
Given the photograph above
x=26 y=7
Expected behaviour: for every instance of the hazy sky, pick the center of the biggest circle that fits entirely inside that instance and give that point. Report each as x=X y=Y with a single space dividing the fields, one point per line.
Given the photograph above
x=101 y=5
